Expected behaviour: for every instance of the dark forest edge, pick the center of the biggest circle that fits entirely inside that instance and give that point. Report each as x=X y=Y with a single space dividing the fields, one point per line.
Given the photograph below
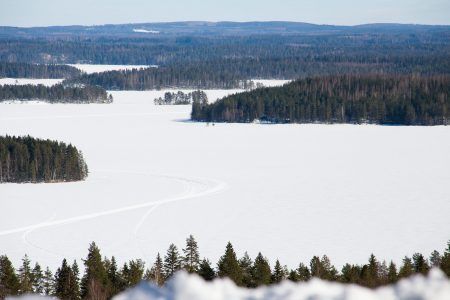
x=26 y=159
x=354 y=99
x=103 y=278
x=59 y=93
x=25 y=70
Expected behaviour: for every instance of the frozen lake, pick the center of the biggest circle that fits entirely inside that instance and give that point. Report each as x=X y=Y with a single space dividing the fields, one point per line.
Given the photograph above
x=289 y=191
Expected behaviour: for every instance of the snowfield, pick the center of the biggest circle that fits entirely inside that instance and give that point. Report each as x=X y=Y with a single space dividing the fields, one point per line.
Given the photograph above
x=289 y=191
x=190 y=287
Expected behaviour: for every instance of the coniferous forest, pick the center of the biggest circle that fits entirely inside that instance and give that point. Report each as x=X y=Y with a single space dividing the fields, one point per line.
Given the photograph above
x=25 y=159
x=55 y=94
x=377 y=99
x=103 y=277
x=26 y=70
x=181 y=98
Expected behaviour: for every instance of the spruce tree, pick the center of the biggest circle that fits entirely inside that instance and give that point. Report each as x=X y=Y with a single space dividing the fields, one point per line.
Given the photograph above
x=38 y=279
x=48 y=282
x=261 y=270
x=445 y=261
x=246 y=265
x=95 y=279
x=420 y=264
x=26 y=276
x=293 y=276
x=115 y=283
x=206 y=271
x=371 y=278
x=278 y=274
x=228 y=266
x=66 y=286
x=136 y=272
x=435 y=259
x=303 y=272
x=9 y=282
x=191 y=257
x=172 y=261
x=407 y=268
x=156 y=274
x=392 y=273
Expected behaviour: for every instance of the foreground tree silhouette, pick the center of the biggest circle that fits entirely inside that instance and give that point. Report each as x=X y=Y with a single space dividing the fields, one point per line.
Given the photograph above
x=228 y=265
x=191 y=257
x=206 y=271
x=172 y=261
x=9 y=282
x=66 y=284
x=261 y=270
x=95 y=280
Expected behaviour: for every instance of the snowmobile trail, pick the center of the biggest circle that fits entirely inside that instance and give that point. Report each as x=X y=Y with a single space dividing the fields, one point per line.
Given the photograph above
x=202 y=187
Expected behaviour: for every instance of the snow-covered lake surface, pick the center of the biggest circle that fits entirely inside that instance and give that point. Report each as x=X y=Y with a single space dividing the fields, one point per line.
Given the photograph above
x=23 y=81
x=289 y=191
x=89 y=69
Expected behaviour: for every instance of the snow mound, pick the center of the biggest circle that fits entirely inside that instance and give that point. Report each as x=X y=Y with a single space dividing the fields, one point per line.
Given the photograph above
x=190 y=287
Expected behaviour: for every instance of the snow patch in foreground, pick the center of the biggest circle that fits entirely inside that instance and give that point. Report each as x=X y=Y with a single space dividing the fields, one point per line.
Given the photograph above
x=145 y=31
x=190 y=287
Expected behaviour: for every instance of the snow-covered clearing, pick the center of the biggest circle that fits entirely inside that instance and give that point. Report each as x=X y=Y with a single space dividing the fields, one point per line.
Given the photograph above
x=23 y=81
x=89 y=69
x=289 y=191
x=145 y=31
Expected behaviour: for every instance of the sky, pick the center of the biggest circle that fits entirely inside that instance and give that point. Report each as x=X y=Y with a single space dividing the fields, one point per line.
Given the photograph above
x=28 y=13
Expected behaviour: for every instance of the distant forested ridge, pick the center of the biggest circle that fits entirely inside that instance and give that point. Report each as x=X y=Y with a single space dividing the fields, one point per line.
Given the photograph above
x=377 y=99
x=180 y=76
x=181 y=98
x=25 y=159
x=26 y=70
x=55 y=94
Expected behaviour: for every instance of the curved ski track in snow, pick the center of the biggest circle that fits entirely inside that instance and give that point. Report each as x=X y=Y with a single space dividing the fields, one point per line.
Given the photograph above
x=210 y=187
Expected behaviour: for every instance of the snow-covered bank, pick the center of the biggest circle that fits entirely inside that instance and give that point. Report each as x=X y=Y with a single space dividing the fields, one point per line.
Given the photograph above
x=24 y=81
x=185 y=287
x=89 y=69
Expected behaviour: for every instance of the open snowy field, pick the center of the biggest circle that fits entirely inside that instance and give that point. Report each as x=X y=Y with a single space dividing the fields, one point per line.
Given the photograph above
x=289 y=191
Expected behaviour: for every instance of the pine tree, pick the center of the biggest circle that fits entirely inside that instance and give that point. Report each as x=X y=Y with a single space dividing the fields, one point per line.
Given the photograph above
x=303 y=272
x=261 y=270
x=445 y=261
x=115 y=283
x=392 y=273
x=38 y=279
x=48 y=282
x=206 y=271
x=9 y=282
x=407 y=269
x=95 y=279
x=370 y=278
x=172 y=261
x=435 y=259
x=191 y=258
x=293 y=276
x=246 y=265
x=420 y=264
x=66 y=286
x=26 y=276
x=278 y=274
x=228 y=266
x=136 y=272
x=156 y=274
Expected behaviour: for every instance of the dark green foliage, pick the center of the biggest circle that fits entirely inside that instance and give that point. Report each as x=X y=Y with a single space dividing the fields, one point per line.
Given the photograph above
x=24 y=70
x=278 y=274
x=25 y=159
x=246 y=265
x=228 y=266
x=261 y=270
x=26 y=276
x=66 y=283
x=172 y=261
x=116 y=284
x=95 y=280
x=181 y=98
x=350 y=274
x=407 y=269
x=420 y=264
x=9 y=281
x=392 y=273
x=303 y=272
x=37 y=279
x=435 y=259
x=206 y=271
x=133 y=272
x=55 y=94
x=322 y=268
x=48 y=282
x=156 y=274
x=191 y=256
x=445 y=261
x=379 y=99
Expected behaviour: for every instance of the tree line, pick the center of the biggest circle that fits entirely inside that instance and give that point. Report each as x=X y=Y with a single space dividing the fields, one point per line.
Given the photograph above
x=27 y=70
x=181 y=98
x=26 y=159
x=377 y=99
x=103 y=277
x=59 y=93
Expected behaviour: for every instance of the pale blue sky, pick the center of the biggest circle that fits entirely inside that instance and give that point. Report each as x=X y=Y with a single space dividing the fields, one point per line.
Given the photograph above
x=345 y=12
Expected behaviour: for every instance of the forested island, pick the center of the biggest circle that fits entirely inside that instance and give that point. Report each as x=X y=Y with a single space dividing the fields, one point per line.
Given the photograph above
x=181 y=98
x=26 y=159
x=27 y=70
x=55 y=94
x=104 y=277
x=375 y=99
